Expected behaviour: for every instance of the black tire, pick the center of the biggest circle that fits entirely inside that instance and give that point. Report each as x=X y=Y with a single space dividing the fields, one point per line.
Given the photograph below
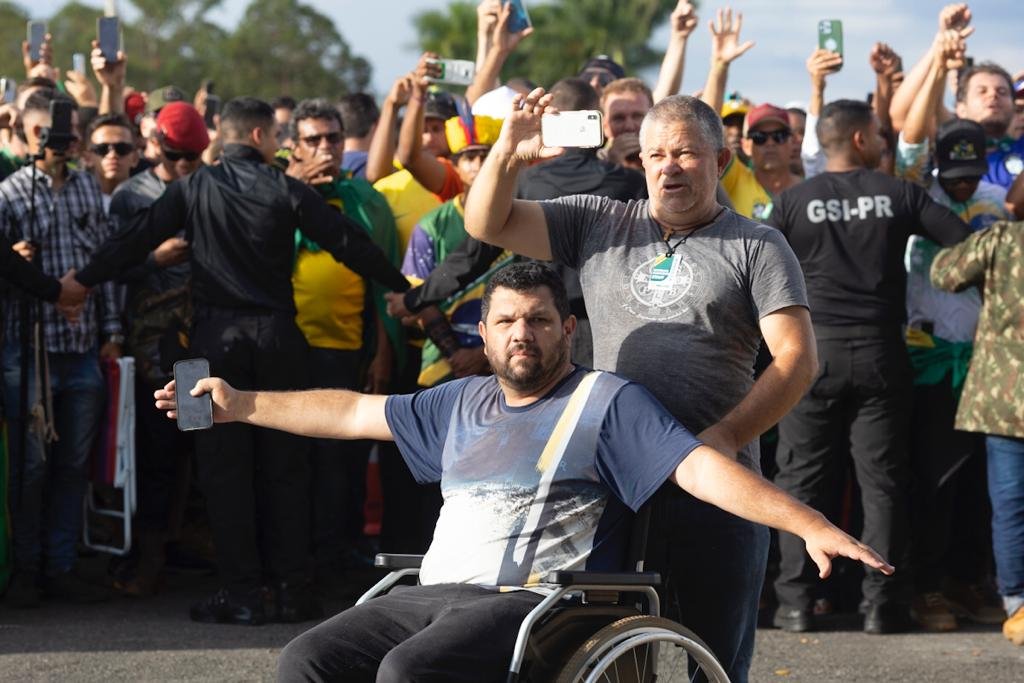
x=635 y=664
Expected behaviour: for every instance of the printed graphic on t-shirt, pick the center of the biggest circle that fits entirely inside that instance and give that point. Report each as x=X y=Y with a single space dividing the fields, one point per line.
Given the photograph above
x=667 y=299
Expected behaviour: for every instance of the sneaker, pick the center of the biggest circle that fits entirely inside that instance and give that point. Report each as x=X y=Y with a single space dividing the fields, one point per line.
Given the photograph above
x=932 y=613
x=793 y=619
x=887 y=618
x=70 y=587
x=1013 y=628
x=22 y=592
x=224 y=608
x=294 y=604
x=978 y=602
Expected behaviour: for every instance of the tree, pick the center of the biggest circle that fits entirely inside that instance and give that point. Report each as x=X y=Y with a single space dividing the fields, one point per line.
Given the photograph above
x=566 y=34
x=286 y=47
x=12 y=32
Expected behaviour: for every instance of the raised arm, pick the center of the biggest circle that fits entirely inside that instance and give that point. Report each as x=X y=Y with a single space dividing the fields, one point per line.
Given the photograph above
x=725 y=47
x=714 y=478
x=886 y=64
x=380 y=162
x=681 y=24
x=111 y=76
x=956 y=16
x=501 y=45
x=424 y=166
x=318 y=413
x=492 y=215
x=1015 y=197
x=947 y=54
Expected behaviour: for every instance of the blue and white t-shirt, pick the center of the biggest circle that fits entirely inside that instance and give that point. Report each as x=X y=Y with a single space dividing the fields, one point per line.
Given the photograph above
x=545 y=487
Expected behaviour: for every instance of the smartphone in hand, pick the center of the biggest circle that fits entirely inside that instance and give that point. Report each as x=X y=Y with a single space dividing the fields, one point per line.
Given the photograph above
x=194 y=412
x=108 y=34
x=455 y=71
x=36 y=36
x=520 y=19
x=572 y=129
x=78 y=62
x=830 y=36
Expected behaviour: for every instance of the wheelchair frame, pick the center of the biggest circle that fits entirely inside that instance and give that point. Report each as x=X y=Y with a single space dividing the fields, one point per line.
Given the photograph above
x=564 y=584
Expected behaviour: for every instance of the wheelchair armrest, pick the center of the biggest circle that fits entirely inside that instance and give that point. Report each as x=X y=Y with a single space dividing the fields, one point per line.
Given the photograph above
x=624 y=579
x=389 y=561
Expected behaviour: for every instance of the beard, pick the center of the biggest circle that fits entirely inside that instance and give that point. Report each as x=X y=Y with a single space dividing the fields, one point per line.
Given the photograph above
x=525 y=373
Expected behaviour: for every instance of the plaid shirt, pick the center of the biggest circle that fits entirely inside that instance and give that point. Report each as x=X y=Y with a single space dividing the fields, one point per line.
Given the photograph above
x=69 y=226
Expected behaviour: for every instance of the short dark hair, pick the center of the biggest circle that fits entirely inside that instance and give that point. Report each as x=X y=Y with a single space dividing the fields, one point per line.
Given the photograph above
x=691 y=110
x=840 y=119
x=965 y=76
x=316 y=108
x=524 y=277
x=521 y=83
x=573 y=94
x=242 y=114
x=40 y=100
x=283 y=102
x=36 y=82
x=358 y=114
x=118 y=120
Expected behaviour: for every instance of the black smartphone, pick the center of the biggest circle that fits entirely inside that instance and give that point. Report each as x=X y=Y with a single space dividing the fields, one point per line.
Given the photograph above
x=108 y=33
x=212 y=109
x=58 y=136
x=8 y=90
x=193 y=412
x=36 y=36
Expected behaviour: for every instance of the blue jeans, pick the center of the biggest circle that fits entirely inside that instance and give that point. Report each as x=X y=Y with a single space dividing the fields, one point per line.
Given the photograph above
x=1006 y=489
x=47 y=488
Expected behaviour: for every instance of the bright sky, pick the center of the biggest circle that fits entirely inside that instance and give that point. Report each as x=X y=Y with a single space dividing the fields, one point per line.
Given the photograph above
x=784 y=32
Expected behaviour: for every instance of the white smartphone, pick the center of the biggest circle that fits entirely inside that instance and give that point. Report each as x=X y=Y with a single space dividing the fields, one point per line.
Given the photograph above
x=455 y=71
x=572 y=129
x=78 y=62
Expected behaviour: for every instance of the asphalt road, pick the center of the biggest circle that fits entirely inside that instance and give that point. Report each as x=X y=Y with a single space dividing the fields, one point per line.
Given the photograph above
x=153 y=640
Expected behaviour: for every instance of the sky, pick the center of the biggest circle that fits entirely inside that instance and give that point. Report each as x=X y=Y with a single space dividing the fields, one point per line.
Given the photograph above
x=784 y=32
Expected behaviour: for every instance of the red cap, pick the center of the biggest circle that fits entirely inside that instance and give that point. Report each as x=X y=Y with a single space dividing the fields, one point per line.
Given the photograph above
x=134 y=106
x=182 y=127
x=763 y=113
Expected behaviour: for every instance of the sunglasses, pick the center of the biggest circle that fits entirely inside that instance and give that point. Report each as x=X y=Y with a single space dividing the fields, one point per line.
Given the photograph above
x=121 y=149
x=759 y=137
x=175 y=155
x=314 y=140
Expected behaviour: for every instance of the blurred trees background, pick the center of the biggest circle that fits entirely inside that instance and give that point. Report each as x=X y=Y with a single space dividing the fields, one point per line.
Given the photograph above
x=277 y=47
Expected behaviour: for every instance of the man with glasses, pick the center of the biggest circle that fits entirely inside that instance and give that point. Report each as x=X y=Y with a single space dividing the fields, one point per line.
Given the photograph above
x=343 y=317
x=112 y=153
x=768 y=141
x=849 y=227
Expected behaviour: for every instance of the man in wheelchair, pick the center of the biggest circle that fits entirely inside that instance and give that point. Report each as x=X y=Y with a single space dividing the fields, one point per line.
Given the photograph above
x=541 y=465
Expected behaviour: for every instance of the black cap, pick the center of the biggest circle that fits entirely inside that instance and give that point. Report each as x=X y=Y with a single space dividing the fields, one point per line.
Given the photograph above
x=439 y=105
x=602 y=63
x=960 y=149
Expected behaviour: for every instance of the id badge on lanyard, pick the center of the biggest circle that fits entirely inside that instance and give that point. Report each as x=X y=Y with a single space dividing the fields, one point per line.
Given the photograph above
x=664 y=272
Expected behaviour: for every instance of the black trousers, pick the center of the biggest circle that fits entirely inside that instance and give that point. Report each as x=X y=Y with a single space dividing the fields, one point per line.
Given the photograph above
x=949 y=494
x=860 y=401
x=446 y=632
x=256 y=481
x=163 y=453
x=338 y=468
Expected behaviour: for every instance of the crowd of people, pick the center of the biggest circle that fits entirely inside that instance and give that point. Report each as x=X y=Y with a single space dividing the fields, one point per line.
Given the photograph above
x=828 y=293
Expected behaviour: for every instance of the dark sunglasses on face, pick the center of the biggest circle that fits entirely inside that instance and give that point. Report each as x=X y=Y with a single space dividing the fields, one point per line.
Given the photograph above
x=121 y=149
x=174 y=155
x=759 y=137
x=314 y=140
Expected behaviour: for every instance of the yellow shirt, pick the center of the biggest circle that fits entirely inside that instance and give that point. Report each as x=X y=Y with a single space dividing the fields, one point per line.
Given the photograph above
x=409 y=202
x=330 y=300
x=748 y=197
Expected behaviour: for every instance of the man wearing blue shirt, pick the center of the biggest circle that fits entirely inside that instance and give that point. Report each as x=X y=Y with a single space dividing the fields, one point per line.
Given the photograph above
x=541 y=466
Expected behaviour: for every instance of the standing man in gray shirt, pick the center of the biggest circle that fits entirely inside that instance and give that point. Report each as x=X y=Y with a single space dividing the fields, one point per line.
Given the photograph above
x=680 y=291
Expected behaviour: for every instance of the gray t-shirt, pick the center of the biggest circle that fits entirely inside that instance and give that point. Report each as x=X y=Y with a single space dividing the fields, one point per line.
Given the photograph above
x=691 y=343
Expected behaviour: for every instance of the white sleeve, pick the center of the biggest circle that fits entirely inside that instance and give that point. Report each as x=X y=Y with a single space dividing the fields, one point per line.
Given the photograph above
x=810 y=152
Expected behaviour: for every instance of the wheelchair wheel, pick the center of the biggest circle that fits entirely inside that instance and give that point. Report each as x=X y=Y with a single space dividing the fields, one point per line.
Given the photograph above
x=627 y=650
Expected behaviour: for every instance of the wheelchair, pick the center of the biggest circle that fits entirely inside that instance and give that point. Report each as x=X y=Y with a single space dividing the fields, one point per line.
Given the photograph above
x=592 y=626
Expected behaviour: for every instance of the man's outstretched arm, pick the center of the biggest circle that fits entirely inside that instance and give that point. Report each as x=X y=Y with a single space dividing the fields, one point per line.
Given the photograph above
x=319 y=413
x=716 y=479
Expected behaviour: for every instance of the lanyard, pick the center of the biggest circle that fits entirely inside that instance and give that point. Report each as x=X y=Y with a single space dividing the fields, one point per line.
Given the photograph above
x=670 y=249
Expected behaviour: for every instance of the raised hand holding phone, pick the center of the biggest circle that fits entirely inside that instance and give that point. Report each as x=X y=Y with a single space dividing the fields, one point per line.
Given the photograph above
x=193 y=412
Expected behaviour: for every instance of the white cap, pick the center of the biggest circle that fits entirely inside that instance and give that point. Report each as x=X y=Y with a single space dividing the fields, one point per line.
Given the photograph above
x=497 y=103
